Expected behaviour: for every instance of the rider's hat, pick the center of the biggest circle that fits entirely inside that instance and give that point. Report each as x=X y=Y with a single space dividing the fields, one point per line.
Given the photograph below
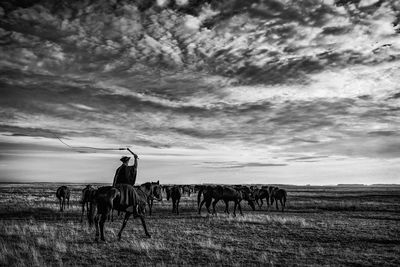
x=125 y=159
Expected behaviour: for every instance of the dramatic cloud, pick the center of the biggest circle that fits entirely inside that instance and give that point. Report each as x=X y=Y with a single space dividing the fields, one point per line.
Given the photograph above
x=256 y=85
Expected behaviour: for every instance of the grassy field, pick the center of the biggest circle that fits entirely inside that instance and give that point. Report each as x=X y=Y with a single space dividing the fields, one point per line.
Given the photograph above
x=322 y=226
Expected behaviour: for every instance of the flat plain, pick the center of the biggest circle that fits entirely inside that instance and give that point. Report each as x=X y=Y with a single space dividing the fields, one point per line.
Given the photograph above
x=322 y=225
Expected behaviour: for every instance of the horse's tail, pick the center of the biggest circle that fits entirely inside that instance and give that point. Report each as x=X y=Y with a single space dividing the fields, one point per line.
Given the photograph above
x=199 y=196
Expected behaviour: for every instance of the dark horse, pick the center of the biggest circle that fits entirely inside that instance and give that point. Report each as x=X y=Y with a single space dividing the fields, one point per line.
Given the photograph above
x=167 y=190
x=87 y=196
x=63 y=194
x=154 y=190
x=259 y=195
x=206 y=192
x=175 y=193
x=122 y=197
x=279 y=194
x=225 y=193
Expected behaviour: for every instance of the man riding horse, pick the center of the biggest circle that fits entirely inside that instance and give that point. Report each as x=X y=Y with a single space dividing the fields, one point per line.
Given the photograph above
x=123 y=197
x=126 y=174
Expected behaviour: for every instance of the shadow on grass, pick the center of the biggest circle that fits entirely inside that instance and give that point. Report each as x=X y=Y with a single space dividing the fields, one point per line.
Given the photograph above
x=39 y=214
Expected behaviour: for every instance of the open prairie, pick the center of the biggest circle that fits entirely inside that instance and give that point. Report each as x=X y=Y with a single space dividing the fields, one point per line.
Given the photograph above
x=337 y=225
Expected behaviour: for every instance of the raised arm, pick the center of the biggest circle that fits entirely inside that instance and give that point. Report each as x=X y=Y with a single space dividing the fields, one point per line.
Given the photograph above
x=133 y=168
x=136 y=156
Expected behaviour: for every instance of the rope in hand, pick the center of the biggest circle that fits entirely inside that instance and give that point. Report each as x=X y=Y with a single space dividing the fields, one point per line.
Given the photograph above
x=86 y=147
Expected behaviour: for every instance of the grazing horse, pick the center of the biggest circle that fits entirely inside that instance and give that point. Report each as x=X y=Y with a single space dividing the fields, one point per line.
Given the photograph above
x=175 y=197
x=259 y=195
x=225 y=193
x=247 y=194
x=153 y=191
x=122 y=197
x=279 y=194
x=63 y=194
x=270 y=189
x=87 y=196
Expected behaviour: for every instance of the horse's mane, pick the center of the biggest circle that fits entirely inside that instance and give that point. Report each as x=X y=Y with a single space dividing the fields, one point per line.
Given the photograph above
x=146 y=185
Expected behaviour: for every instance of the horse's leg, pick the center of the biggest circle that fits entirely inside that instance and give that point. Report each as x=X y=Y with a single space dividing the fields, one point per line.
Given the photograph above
x=59 y=200
x=261 y=203
x=226 y=207
x=90 y=212
x=234 y=209
x=83 y=211
x=87 y=208
x=96 y=224
x=240 y=208
x=173 y=206
x=150 y=206
x=213 y=204
x=267 y=199
x=284 y=202
x=177 y=207
x=103 y=218
x=144 y=226
x=201 y=205
x=208 y=204
x=276 y=204
x=127 y=215
x=282 y=205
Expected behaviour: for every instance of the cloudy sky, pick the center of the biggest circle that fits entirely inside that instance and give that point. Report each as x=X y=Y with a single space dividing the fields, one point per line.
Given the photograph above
x=290 y=91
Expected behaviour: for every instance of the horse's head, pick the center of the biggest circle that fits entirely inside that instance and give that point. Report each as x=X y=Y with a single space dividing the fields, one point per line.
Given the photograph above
x=273 y=191
x=251 y=204
x=255 y=192
x=156 y=190
x=247 y=194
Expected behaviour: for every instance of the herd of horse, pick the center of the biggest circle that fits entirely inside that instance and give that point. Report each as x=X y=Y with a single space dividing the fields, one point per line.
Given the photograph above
x=135 y=200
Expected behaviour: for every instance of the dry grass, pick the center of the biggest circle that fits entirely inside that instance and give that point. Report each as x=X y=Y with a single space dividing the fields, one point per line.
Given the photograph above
x=272 y=220
x=320 y=227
